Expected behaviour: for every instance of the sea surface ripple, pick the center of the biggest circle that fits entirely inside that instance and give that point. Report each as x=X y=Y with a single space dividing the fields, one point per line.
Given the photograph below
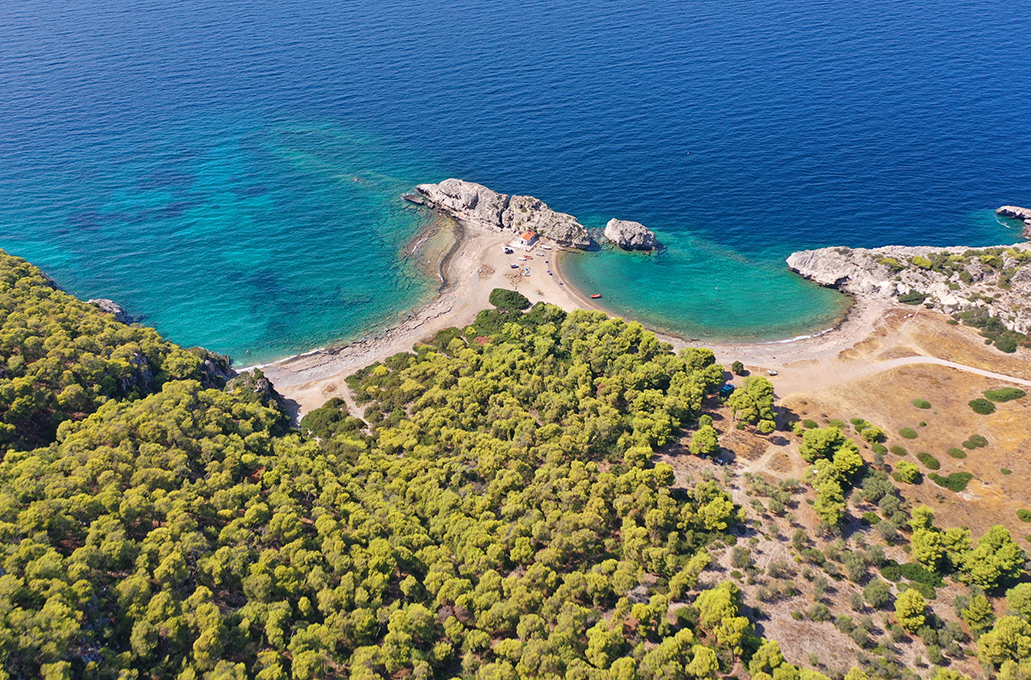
x=229 y=172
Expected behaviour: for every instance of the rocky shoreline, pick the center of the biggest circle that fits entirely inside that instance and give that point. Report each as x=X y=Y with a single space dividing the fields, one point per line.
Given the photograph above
x=995 y=281
x=476 y=206
x=1022 y=214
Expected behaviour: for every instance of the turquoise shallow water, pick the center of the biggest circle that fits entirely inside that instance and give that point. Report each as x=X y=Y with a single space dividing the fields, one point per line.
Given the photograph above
x=230 y=173
x=697 y=289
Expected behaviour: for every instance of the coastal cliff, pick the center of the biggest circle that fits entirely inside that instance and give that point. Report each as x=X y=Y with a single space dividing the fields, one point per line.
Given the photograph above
x=986 y=283
x=477 y=206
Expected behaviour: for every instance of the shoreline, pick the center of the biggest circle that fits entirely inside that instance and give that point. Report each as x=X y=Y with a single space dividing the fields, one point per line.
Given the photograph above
x=469 y=269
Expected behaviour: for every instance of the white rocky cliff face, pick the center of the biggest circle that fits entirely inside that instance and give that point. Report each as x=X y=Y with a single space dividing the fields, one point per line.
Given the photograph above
x=997 y=279
x=477 y=206
x=630 y=235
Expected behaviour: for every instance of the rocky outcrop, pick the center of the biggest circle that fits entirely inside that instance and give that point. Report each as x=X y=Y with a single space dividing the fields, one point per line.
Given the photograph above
x=630 y=235
x=1023 y=214
x=476 y=206
x=952 y=280
x=111 y=307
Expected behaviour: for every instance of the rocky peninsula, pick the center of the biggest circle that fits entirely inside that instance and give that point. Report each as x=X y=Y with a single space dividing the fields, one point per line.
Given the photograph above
x=990 y=281
x=474 y=205
x=1022 y=214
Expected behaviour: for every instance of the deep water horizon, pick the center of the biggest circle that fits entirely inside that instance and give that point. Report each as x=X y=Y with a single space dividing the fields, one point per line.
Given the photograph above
x=232 y=174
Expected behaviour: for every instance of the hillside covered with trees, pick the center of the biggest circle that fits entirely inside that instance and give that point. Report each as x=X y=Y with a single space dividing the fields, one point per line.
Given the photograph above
x=496 y=511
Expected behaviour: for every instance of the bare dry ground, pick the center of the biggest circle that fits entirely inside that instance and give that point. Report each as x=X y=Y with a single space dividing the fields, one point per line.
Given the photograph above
x=853 y=386
x=886 y=400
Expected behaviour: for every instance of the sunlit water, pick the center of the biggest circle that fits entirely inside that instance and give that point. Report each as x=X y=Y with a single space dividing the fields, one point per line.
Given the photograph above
x=230 y=172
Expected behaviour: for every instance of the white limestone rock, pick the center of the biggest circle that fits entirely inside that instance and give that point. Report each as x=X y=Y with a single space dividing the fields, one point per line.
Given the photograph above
x=889 y=272
x=476 y=206
x=630 y=235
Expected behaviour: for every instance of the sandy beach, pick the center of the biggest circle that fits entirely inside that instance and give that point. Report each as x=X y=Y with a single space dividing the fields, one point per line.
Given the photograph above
x=472 y=263
x=471 y=269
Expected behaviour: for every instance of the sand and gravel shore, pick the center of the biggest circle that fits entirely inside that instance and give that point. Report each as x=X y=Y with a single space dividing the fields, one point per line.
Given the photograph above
x=473 y=264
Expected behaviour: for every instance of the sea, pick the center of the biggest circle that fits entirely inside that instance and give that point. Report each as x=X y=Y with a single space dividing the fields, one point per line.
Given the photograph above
x=230 y=172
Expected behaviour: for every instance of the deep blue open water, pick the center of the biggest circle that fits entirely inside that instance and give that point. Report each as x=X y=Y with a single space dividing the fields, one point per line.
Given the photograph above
x=229 y=172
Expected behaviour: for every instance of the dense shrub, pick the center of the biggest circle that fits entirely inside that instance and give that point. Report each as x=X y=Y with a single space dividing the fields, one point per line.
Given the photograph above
x=929 y=461
x=810 y=424
x=982 y=406
x=908 y=433
x=508 y=300
x=879 y=448
x=1005 y=394
x=957 y=481
x=898 y=450
x=975 y=442
x=957 y=453
x=912 y=297
x=1024 y=515
x=921 y=403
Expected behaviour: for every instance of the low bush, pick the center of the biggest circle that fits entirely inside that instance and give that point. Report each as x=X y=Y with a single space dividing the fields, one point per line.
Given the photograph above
x=929 y=461
x=871 y=518
x=1005 y=394
x=898 y=450
x=1024 y=515
x=921 y=403
x=810 y=424
x=1006 y=471
x=982 y=406
x=908 y=433
x=975 y=442
x=508 y=300
x=911 y=571
x=912 y=298
x=879 y=448
x=834 y=422
x=957 y=481
x=957 y=453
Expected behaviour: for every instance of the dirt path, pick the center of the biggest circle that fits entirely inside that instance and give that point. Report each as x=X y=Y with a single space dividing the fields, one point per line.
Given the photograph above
x=881 y=366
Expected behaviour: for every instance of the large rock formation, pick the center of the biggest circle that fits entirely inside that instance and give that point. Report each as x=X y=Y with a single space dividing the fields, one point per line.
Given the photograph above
x=1022 y=214
x=630 y=235
x=477 y=206
x=953 y=279
x=111 y=307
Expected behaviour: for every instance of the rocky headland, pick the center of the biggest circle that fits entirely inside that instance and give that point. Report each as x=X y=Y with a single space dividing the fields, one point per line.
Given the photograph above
x=989 y=281
x=1022 y=214
x=474 y=205
x=630 y=235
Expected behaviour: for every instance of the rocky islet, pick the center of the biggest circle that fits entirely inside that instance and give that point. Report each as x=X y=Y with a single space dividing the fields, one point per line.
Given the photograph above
x=630 y=235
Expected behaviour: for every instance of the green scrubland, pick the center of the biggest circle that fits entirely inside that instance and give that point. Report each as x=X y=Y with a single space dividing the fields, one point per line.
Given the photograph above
x=495 y=511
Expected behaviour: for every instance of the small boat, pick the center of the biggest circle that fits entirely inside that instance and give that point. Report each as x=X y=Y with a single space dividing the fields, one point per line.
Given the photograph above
x=595 y=296
x=546 y=247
